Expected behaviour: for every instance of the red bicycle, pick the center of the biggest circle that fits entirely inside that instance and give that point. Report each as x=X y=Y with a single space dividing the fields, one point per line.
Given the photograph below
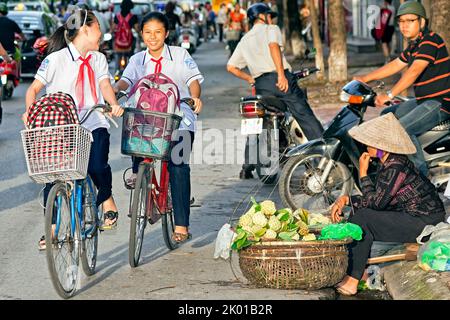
x=148 y=134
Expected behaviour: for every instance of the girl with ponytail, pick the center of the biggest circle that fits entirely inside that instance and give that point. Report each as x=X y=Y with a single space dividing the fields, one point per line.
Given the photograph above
x=74 y=66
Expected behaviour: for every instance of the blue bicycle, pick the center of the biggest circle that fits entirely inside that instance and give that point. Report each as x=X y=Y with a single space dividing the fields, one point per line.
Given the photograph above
x=60 y=155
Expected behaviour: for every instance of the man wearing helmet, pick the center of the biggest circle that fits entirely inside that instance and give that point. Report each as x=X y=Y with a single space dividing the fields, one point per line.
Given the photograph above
x=260 y=50
x=427 y=66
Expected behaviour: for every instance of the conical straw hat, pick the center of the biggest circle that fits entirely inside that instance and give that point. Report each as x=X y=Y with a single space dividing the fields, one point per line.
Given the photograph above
x=385 y=133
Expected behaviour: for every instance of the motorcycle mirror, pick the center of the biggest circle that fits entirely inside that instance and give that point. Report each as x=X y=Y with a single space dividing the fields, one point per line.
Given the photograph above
x=107 y=37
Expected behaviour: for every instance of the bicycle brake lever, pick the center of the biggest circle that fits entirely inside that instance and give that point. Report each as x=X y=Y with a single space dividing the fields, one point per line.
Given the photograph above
x=112 y=120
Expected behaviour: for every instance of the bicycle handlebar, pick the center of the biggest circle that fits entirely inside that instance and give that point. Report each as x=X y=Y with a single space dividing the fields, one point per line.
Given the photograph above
x=102 y=108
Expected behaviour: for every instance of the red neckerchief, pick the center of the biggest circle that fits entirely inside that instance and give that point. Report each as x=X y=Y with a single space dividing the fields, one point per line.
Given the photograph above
x=158 y=65
x=79 y=86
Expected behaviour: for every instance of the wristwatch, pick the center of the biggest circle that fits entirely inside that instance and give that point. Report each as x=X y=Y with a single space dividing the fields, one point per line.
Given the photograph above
x=390 y=95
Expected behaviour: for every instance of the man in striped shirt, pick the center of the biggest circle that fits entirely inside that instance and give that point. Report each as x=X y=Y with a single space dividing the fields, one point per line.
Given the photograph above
x=427 y=65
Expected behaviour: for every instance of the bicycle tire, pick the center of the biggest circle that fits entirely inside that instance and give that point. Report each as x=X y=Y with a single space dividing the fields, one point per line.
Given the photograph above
x=91 y=223
x=168 y=224
x=64 y=283
x=138 y=214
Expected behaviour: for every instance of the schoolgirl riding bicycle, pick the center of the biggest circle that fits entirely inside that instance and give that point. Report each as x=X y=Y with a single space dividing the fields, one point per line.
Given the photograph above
x=74 y=66
x=177 y=64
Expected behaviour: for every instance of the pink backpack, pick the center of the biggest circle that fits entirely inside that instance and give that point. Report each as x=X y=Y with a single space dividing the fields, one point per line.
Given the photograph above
x=156 y=92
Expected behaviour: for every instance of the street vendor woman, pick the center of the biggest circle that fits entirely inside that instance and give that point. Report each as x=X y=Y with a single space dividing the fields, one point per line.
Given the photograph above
x=396 y=206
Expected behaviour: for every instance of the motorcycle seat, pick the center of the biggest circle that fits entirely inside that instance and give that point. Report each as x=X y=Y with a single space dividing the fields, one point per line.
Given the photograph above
x=444 y=125
x=273 y=104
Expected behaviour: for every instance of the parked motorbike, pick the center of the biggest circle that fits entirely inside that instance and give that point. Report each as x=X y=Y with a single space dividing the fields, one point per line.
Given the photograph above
x=271 y=128
x=321 y=170
x=188 y=39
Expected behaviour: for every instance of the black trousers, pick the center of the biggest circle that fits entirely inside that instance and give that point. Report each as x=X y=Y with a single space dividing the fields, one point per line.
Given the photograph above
x=385 y=226
x=294 y=99
x=296 y=102
x=98 y=168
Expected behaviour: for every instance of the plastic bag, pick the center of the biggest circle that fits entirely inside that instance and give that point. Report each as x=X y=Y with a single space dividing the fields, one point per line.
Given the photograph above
x=374 y=281
x=223 y=242
x=435 y=254
x=341 y=231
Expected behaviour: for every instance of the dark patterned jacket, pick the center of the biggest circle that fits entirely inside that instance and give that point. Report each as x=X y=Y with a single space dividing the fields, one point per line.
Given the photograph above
x=399 y=187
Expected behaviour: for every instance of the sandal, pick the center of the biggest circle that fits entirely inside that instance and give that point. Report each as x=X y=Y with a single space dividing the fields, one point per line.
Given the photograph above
x=110 y=215
x=181 y=237
x=41 y=244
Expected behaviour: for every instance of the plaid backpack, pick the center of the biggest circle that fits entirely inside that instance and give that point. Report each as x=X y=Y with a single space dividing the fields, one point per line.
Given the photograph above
x=54 y=109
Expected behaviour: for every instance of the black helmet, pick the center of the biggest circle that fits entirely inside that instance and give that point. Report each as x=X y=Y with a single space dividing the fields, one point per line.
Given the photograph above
x=3 y=8
x=258 y=8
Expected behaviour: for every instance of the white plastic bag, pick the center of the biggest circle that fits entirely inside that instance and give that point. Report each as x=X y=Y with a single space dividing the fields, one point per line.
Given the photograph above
x=223 y=242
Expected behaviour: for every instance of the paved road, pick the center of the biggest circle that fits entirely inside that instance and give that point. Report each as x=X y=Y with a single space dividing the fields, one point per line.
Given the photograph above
x=189 y=272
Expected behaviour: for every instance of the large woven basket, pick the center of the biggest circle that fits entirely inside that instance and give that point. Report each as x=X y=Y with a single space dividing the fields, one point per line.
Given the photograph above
x=307 y=265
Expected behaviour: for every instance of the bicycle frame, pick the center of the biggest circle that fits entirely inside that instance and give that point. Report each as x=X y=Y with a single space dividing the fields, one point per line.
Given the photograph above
x=159 y=190
x=76 y=207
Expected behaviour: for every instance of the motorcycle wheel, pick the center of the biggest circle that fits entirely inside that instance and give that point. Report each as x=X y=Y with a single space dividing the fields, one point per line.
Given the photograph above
x=300 y=185
x=264 y=149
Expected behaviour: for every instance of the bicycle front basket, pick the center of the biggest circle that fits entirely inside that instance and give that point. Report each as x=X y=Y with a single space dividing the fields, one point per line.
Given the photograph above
x=148 y=133
x=57 y=153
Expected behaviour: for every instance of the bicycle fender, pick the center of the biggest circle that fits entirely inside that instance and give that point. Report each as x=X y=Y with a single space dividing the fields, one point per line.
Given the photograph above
x=317 y=146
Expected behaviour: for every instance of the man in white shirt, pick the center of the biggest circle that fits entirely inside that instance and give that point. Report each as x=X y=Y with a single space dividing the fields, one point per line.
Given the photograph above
x=260 y=50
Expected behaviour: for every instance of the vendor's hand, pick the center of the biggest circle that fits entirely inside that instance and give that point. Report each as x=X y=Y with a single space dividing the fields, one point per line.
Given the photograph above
x=251 y=81
x=282 y=83
x=381 y=100
x=364 y=164
x=117 y=110
x=336 y=209
x=198 y=105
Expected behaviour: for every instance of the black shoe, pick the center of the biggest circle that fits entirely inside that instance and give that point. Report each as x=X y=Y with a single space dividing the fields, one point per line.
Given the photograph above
x=245 y=174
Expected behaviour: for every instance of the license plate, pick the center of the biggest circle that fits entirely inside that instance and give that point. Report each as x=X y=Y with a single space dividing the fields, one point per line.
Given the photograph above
x=251 y=126
x=186 y=45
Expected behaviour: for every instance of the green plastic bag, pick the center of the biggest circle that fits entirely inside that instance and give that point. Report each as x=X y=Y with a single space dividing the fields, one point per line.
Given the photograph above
x=341 y=231
x=437 y=256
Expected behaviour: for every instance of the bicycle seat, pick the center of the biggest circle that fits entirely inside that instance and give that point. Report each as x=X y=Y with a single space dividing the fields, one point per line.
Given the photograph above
x=273 y=104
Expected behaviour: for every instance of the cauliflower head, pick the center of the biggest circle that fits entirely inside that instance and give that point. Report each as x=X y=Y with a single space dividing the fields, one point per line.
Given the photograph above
x=268 y=207
x=259 y=219
x=274 y=224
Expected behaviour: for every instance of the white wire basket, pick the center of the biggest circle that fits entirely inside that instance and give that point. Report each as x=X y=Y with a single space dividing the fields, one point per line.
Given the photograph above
x=58 y=153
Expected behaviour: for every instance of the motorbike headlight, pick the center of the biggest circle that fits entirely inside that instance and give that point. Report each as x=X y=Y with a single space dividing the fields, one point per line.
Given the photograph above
x=4 y=79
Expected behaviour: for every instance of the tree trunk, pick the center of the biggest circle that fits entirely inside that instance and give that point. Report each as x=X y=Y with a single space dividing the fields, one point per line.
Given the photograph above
x=285 y=30
x=320 y=63
x=337 y=61
x=297 y=44
x=440 y=11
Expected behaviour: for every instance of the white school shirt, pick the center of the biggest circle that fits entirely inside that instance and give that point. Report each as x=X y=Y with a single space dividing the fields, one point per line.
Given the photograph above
x=253 y=50
x=59 y=72
x=178 y=65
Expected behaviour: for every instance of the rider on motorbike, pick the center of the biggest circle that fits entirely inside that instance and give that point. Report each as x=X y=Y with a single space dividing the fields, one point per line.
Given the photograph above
x=427 y=65
x=9 y=29
x=270 y=71
x=174 y=22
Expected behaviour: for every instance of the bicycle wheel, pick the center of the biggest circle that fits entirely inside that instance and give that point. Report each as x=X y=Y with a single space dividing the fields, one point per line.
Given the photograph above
x=89 y=228
x=138 y=214
x=168 y=223
x=62 y=235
